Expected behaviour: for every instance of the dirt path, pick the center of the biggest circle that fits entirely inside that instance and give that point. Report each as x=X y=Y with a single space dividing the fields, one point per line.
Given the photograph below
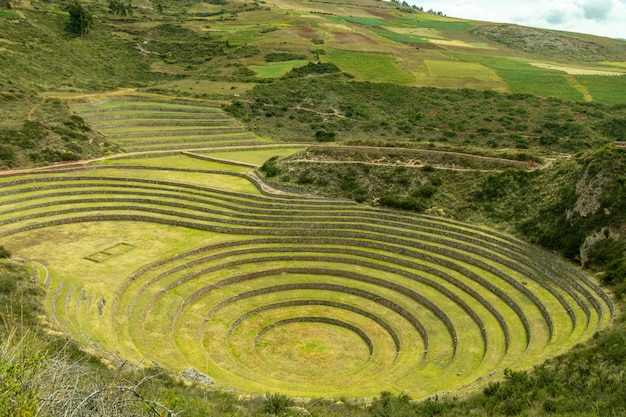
x=34 y=108
x=396 y=164
x=571 y=80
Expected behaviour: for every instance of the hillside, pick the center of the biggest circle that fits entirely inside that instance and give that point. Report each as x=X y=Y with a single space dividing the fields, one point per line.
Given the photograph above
x=217 y=207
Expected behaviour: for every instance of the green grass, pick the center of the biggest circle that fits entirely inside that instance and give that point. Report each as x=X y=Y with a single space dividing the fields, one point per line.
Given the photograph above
x=439 y=24
x=604 y=89
x=523 y=78
x=159 y=123
x=7 y=14
x=367 y=21
x=399 y=37
x=276 y=69
x=256 y=157
x=456 y=69
x=544 y=84
x=370 y=67
x=444 y=24
x=182 y=161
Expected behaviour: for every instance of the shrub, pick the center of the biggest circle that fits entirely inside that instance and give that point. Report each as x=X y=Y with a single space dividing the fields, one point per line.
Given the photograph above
x=244 y=72
x=404 y=203
x=313 y=69
x=603 y=252
x=4 y=253
x=614 y=128
x=425 y=191
x=491 y=389
x=269 y=167
x=246 y=51
x=615 y=275
x=276 y=404
x=20 y=366
x=325 y=136
x=305 y=177
x=389 y=405
x=7 y=155
x=283 y=56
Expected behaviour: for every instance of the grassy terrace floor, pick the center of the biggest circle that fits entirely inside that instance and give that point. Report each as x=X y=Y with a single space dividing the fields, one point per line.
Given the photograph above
x=186 y=260
x=142 y=124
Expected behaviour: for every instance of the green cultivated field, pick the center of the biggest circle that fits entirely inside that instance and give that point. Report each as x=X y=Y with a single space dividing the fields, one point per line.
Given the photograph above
x=276 y=69
x=453 y=69
x=370 y=67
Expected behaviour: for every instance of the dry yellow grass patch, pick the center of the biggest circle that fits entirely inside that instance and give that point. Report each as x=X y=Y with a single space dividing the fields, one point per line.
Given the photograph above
x=123 y=35
x=615 y=64
x=575 y=70
x=425 y=32
x=446 y=42
x=88 y=97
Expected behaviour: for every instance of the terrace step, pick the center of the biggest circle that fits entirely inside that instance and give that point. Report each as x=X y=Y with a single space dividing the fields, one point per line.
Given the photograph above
x=416 y=293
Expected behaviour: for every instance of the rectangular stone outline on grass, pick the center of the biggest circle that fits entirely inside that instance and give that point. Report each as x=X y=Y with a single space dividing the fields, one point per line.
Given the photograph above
x=110 y=252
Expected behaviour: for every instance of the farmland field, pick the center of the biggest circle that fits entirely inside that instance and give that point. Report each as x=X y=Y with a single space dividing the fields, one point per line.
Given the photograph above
x=460 y=74
x=370 y=67
x=276 y=69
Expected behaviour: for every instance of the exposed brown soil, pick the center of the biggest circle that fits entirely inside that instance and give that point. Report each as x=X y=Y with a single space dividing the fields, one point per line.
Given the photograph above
x=343 y=37
x=306 y=32
x=384 y=15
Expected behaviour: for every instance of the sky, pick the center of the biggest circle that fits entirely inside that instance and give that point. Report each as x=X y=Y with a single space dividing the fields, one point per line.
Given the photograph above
x=596 y=17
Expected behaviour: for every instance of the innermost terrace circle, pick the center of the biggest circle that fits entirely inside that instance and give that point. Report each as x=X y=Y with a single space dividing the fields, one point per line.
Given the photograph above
x=309 y=348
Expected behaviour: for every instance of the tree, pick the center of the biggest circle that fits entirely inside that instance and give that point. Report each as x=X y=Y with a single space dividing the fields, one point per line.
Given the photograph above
x=80 y=20
x=325 y=136
x=120 y=8
x=158 y=6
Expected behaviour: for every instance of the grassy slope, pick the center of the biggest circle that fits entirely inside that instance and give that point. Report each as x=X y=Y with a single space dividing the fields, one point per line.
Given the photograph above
x=294 y=109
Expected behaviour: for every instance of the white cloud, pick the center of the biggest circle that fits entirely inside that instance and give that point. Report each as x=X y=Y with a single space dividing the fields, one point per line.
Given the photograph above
x=599 y=17
x=598 y=10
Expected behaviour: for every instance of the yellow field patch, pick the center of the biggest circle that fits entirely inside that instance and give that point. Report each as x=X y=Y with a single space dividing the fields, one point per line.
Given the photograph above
x=424 y=32
x=230 y=88
x=333 y=27
x=616 y=64
x=446 y=42
x=204 y=8
x=575 y=70
x=123 y=35
x=89 y=97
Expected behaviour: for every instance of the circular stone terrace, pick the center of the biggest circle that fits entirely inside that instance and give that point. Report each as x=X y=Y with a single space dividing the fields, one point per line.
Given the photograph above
x=306 y=296
x=178 y=261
